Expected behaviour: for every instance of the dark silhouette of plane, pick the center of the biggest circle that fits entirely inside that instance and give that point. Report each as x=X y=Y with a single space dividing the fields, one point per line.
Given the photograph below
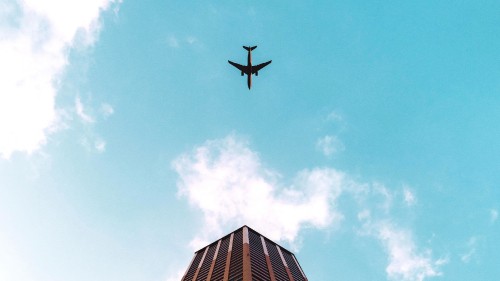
x=249 y=69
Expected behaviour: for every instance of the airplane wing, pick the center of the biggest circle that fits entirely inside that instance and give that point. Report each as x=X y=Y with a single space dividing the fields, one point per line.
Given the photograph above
x=258 y=67
x=238 y=66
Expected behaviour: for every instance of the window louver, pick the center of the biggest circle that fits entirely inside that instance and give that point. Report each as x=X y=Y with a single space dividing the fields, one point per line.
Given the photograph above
x=258 y=258
x=297 y=276
x=205 y=267
x=220 y=262
x=192 y=270
x=278 y=266
x=236 y=265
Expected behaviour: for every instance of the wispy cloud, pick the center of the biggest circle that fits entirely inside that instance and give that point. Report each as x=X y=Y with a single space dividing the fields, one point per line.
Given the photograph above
x=177 y=42
x=91 y=141
x=191 y=40
x=493 y=215
x=405 y=261
x=334 y=117
x=471 y=250
x=230 y=185
x=107 y=110
x=409 y=196
x=83 y=111
x=35 y=39
x=329 y=145
x=173 y=42
x=100 y=145
x=80 y=111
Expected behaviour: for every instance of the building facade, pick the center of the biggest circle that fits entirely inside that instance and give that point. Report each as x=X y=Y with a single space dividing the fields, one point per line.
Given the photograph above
x=244 y=255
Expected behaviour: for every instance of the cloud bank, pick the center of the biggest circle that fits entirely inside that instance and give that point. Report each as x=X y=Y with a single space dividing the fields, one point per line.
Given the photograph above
x=228 y=183
x=35 y=39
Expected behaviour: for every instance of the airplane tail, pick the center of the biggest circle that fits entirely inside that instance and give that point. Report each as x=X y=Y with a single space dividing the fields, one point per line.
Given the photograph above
x=249 y=48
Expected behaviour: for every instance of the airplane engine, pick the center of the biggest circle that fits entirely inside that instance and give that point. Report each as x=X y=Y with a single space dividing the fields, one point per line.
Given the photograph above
x=242 y=73
x=257 y=73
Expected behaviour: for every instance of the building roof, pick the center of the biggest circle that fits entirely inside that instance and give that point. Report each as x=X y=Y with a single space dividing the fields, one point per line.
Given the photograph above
x=245 y=255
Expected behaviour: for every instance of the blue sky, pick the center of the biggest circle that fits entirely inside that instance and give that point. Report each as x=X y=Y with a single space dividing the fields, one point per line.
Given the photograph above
x=127 y=141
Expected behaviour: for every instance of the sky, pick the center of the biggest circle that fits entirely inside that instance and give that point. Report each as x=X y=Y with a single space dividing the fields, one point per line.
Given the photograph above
x=370 y=146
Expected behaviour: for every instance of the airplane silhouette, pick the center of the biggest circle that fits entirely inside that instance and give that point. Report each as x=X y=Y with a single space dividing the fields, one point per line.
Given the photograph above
x=249 y=69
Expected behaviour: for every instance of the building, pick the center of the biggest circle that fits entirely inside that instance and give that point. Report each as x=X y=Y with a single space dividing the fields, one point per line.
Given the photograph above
x=244 y=255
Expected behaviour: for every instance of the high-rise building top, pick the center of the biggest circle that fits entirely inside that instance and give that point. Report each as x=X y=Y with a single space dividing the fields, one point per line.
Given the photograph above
x=244 y=255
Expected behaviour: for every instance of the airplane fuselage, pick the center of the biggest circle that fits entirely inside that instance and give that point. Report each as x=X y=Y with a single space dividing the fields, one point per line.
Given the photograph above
x=249 y=65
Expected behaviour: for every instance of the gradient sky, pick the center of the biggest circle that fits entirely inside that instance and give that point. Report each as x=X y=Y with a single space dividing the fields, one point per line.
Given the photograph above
x=370 y=146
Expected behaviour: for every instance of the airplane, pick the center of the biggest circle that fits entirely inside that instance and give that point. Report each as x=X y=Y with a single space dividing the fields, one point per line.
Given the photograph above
x=249 y=69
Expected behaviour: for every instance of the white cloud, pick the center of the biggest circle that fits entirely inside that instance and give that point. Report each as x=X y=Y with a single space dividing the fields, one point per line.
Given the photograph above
x=329 y=145
x=80 y=111
x=409 y=197
x=107 y=110
x=228 y=183
x=471 y=250
x=181 y=41
x=334 y=117
x=380 y=194
x=364 y=215
x=191 y=40
x=405 y=262
x=93 y=143
x=100 y=145
x=173 y=42
x=493 y=215
x=91 y=140
x=35 y=39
